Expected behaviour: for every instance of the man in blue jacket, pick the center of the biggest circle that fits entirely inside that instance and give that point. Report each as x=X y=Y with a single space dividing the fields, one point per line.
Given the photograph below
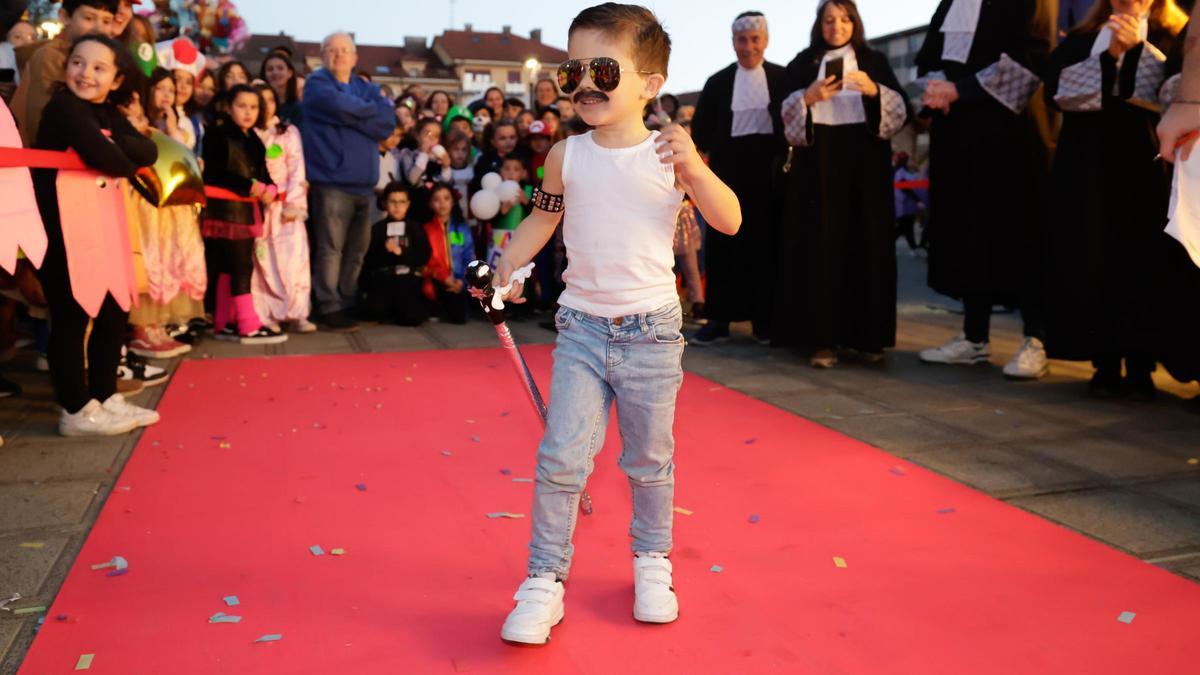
x=345 y=118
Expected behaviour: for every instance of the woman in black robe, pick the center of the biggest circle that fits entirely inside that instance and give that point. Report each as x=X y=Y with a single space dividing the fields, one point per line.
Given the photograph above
x=1110 y=196
x=982 y=61
x=837 y=240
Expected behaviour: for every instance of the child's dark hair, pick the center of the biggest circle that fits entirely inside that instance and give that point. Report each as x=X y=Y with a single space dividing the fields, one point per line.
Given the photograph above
x=292 y=88
x=263 y=88
x=127 y=70
x=421 y=124
x=456 y=213
x=391 y=189
x=649 y=43
x=239 y=89
x=515 y=102
x=147 y=92
x=223 y=71
x=69 y=6
x=858 y=38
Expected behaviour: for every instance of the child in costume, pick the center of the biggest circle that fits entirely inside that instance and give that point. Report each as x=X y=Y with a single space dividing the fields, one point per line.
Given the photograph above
x=87 y=272
x=282 y=286
x=235 y=159
x=392 y=272
x=453 y=249
x=619 y=322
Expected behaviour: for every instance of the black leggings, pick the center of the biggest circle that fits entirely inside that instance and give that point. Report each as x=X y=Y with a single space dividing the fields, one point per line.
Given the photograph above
x=978 y=318
x=74 y=382
x=234 y=257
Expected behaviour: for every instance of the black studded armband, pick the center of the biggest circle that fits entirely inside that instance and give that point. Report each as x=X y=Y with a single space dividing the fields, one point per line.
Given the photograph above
x=547 y=202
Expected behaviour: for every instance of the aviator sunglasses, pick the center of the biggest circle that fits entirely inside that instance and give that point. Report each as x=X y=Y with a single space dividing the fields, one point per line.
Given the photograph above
x=604 y=71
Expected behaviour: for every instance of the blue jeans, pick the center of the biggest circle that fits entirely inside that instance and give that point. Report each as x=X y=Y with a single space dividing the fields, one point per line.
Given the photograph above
x=636 y=361
x=341 y=233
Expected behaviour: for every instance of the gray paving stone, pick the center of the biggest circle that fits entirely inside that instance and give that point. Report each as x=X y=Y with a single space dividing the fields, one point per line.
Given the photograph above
x=822 y=405
x=899 y=433
x=999 y=471
x=1105 y=458
x=922 y=398
x=1001 y=424
x=29 y=457
x=1183 y=490
x=1140 y=523
x=26 y=505
x=24 y=570
x=9 y=629
x=768 y=384
x=394 y=339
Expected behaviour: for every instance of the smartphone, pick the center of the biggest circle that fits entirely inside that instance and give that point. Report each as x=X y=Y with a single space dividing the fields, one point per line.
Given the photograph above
x=835 y=68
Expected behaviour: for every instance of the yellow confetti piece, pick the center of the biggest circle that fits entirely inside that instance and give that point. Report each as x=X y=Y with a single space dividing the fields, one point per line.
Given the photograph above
x=225 y=445
x=338 y=551
x=33 y=544
x=29 y=610
x=84 y=662
x=686 y=512
x=839 y=562
x=1194 y=461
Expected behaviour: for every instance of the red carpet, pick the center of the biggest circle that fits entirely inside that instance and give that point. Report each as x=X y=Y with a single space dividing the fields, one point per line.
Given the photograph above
x=257 y=460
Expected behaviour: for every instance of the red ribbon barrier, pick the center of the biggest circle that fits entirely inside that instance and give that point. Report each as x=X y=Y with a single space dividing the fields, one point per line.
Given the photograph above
x=70 y=161
x=912 y=184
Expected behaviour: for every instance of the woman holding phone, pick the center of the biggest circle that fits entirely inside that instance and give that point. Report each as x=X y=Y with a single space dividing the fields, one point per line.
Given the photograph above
x=840 y=211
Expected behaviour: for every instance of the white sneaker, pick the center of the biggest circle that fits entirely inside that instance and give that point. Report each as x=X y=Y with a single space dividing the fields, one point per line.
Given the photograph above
x=539 y=608
x=1030 y=363
x=959 y=352
x=94 y=420
x=654 y=598
x=141 y=417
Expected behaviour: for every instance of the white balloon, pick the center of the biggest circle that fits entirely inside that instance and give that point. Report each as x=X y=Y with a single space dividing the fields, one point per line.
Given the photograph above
x=485 y=204
x=438 y=152
x=491 y=181
x=509 y=190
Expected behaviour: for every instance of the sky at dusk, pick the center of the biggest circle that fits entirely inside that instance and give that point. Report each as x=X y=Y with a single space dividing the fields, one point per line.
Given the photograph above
x=698 y=28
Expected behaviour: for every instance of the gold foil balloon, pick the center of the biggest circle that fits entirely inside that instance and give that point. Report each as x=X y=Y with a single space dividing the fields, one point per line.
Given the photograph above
x=175 y=179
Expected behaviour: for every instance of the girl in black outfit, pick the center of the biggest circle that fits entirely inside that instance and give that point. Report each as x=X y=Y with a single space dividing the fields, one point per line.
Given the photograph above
x=235 y=159
x=81 y=117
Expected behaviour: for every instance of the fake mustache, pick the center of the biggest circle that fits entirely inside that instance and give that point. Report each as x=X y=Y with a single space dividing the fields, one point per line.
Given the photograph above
x=591 y=95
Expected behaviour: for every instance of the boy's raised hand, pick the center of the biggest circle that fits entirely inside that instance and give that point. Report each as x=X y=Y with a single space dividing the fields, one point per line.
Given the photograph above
x=675 y=147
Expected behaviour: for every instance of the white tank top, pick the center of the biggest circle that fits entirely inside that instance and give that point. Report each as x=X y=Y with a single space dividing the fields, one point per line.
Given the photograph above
x=618 y=227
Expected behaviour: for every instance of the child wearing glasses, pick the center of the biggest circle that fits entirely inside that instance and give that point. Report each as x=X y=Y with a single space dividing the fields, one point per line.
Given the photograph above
x=619 y=320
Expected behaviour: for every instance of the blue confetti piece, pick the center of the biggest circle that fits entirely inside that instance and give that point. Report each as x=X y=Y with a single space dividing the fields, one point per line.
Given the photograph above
x=274 y=637
x=316 y=550
x=117 y=573
x=222 y=617
x=474 y=439
x=361 y=487
x=750 y=441
x=504 y=414
x=717 y=569
x=897 y=471
x=948 y=509
x=754 y=518
x=231 y=601
x=1126 y=617
x=505 y=472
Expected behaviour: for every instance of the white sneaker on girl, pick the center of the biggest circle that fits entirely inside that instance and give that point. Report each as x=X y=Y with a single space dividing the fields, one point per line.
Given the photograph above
x=539 y=608
x=958 y=352
x=141 y=417
x=654 y=598
x=94 y=420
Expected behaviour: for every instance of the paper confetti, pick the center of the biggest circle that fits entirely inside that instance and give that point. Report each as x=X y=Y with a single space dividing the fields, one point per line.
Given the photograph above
x=338 y=551
x=84 y=662
x=522 y=480
x=316 y=550
x=117 y=573
x=839 y=562
x=361 y=487
x=4 y=603
x=750 y=441
x=231 y=601
x=118 y=562
x=222 y=617
x=948 y=509
x=33 y=544
x=29 y=610
x=273 y=637
x=505 y=472
x=754 y=518
x=474 y=439
x=716 y=568
x=505 y=514
x=686 y=512
x=1126 y=617
x=224 y=445
x=505 y=414
x=447 y=453
x=1194 y=461
x=897 y=470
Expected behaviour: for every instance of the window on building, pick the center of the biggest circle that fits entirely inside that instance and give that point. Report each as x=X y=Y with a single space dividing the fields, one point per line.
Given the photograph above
x=514 y=77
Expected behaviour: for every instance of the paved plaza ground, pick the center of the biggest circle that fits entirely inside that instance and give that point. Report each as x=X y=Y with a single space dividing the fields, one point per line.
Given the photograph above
x=1118 y=472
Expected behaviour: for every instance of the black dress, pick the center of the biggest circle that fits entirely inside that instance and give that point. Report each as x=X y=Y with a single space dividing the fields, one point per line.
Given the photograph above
x=837 y=238
x=1109 y=203
x=740 y=269
x=985 y=161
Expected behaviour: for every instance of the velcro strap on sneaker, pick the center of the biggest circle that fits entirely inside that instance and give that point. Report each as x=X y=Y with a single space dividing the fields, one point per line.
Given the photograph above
x=536 y=589
x=659 y=575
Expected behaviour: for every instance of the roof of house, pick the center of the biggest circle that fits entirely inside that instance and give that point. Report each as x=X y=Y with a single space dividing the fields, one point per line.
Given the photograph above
x=476 y=46
x=383 y=60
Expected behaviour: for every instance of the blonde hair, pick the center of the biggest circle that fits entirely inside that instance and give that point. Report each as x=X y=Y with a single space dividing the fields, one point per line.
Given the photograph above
x=1163 y=14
